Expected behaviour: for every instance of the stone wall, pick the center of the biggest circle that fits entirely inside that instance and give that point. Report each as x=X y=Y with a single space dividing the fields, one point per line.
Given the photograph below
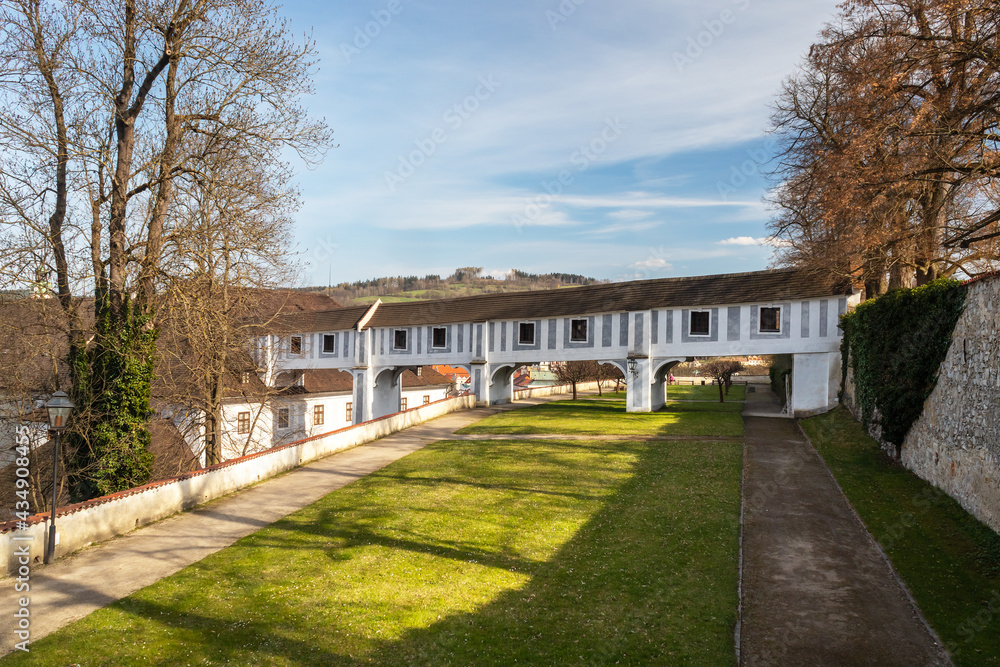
x=955 y=444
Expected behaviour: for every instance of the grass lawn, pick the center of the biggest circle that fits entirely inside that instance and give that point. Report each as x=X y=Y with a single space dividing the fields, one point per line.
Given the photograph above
x=462 y=553
x=694 y=392
x=948 y=559
x=608 y=417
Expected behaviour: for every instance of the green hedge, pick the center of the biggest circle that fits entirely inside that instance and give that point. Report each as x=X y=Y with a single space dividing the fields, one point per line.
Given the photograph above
x=896 y=344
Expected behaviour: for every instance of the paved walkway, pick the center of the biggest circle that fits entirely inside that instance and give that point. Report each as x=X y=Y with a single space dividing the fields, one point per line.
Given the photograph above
x=815 y=588
x=74 y=586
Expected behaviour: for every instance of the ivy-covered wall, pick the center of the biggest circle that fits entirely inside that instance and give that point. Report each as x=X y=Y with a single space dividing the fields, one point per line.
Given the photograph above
x=895 y=345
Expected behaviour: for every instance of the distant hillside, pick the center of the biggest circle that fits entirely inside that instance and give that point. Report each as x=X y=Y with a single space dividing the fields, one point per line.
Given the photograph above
x=465 y=281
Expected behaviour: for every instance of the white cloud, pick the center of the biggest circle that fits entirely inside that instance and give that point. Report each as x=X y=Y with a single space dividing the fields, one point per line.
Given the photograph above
x=629 y=214
x=652 y=263
x=751 y=241
x=622 y=228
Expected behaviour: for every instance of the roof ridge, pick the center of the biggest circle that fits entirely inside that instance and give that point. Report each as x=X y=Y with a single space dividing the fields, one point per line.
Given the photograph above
x=575 y=288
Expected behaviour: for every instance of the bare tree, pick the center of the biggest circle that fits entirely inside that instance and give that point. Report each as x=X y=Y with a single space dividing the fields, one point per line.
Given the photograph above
x=722 y=370
x=123 y=104
x=889 y=144
x=227 y=244
x=573 y=372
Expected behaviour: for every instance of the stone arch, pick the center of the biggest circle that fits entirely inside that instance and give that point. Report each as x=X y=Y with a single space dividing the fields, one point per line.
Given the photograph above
x=501 y=381
x=658 y=380
x=386 y=391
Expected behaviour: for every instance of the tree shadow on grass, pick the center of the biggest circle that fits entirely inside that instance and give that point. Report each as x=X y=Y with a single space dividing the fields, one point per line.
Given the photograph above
x=650 y=579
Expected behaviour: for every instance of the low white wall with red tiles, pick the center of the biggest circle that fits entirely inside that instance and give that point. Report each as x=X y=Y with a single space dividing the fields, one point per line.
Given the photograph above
x=119 y=513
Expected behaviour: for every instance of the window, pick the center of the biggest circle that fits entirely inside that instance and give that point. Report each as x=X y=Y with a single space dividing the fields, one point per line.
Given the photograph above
x=245 y=378
x=282 y=417
x=770 y=319
x=701 y=323
x=329 y=343
x=526 y=333
x=350 y=410
x=402 y=404
x=243 y=423
x=399 y=339
x=295 y=345
x=427 y=399
x=578 y=331
x=439 y=337
x=318 y=415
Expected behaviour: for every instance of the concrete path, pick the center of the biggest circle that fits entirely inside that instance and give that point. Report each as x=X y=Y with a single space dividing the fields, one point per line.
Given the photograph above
x=74 y=586
x=815 y=587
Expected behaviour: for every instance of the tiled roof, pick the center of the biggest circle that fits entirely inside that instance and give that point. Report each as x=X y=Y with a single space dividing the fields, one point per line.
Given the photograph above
x=428 y=378
x=327 y=380
x=340 y=319
x=729 y=288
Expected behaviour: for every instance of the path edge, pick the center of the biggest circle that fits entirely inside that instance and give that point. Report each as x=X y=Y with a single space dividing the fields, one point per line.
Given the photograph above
x=878 y=547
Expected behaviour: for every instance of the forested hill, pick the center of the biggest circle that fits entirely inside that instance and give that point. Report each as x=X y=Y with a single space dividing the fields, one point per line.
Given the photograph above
x=464 y=282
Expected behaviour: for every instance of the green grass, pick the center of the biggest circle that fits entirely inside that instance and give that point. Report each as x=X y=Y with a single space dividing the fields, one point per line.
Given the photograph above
x=608 y=417
x=694 y=392
x=948 y=559
x=708 y=392
x=462 y=553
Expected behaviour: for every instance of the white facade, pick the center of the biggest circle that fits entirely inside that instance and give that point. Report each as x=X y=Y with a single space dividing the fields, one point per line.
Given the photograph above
x=652 y=341
x=249 y=427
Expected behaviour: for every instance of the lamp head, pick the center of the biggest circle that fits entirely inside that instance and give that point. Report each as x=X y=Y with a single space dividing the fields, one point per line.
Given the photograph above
x=59 y=409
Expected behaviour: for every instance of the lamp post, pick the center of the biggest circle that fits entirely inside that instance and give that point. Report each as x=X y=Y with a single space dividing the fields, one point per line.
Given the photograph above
x=59 y=408
x=633 y=366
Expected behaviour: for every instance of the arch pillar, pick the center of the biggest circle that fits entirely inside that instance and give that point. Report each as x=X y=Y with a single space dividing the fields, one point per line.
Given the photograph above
x=658 y=384
x=387 y=391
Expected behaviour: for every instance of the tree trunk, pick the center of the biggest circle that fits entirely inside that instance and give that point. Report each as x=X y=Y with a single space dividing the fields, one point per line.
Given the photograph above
x=574 y=390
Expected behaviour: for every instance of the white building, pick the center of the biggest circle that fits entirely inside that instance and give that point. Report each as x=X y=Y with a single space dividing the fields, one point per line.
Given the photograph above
x=642 y=327
x=304 y=403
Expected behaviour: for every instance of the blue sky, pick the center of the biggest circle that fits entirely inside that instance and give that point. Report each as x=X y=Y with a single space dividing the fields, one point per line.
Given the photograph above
x=581 y=136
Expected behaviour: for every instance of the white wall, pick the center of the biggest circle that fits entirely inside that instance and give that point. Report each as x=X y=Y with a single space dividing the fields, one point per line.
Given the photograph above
x=103 y=518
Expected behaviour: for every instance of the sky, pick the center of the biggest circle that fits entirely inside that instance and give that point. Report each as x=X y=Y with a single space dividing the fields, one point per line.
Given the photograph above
x=618 y=139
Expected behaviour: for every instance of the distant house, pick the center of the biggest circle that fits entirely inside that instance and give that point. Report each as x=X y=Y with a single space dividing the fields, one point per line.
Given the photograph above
x=460 y=378
x=306 y=403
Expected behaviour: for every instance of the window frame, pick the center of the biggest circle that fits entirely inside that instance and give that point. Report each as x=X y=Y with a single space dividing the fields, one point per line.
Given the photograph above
x=349 y=410
x=333 y=348
x=691 y=331
x=295 y=345
x=427 y=399
x=395 y=339
x=760 y=319
x=283 y=415
x=319 y=414
x=434 y=338
x=573 y=337
x=243 y=423
x=520 y=333
x=402 y=403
